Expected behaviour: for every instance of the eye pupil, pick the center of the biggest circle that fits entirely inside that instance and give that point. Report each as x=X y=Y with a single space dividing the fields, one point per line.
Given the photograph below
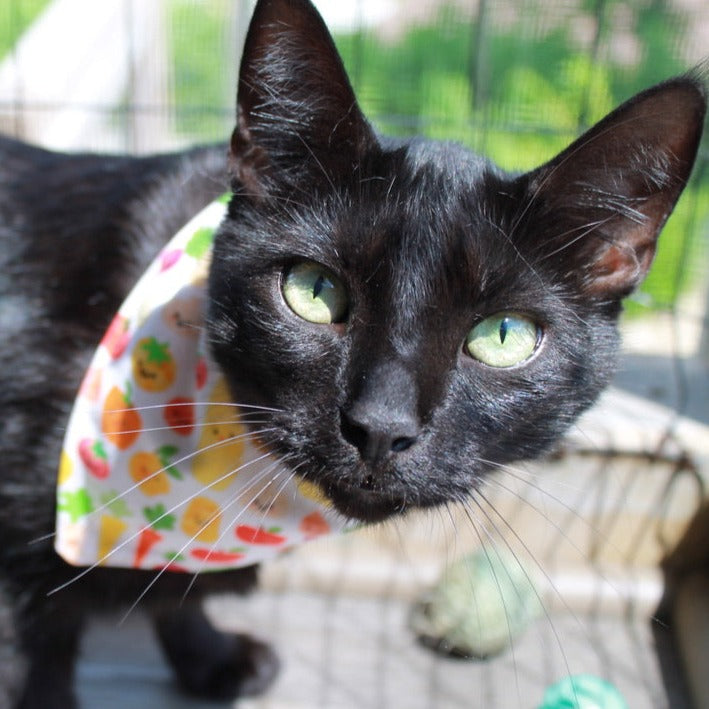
x=314 y=293
x=318 y=286
x=503 y=340
x=504 y=323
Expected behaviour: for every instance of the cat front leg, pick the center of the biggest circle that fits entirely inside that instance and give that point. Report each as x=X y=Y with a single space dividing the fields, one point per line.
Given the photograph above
x=13 y=664
x=210 y=663
x=46 y=649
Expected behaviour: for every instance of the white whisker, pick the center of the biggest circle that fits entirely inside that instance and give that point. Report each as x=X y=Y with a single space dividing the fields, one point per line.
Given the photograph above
x=203 y=424
x=562 y=533
x=159 y=518
x=541 y=568
x=179 y=461
x=233 y=500
x=227 y=404
x=275 y=497
x=524 y=571
x=108 y=503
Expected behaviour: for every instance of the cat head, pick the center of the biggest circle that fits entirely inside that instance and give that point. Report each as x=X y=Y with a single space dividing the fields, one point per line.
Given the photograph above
x=414 y=315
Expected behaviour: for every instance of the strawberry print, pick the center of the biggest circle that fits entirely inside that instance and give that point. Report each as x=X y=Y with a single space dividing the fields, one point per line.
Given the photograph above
x=93 y=455
x=179 y=415
x=201 y=372
x=168 y=258
x=156 y=458
x=117 y=337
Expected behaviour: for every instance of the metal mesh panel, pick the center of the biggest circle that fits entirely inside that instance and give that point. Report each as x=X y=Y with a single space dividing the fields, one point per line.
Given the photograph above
x=516 y=80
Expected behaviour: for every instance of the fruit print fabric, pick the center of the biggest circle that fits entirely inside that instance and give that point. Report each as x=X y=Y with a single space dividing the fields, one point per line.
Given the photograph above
x=158 y=469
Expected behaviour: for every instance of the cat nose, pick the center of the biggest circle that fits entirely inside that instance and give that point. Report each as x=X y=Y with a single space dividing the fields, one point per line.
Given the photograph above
x=376 y=436
x=382 y=418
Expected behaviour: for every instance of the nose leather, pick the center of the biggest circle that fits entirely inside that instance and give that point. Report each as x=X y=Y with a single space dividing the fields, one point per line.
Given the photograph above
x=382 y=420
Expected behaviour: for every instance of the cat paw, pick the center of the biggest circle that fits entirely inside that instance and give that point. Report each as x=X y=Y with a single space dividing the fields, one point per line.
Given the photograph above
x=212 y=664
x=44 y=700
x=247 y=668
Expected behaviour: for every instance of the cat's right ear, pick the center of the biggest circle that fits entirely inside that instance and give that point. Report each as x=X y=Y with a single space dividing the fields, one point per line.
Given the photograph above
x=298 y=122
x=599 y=206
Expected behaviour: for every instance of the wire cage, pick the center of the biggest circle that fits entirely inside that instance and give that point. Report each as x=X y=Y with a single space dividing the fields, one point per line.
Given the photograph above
x=599 y=524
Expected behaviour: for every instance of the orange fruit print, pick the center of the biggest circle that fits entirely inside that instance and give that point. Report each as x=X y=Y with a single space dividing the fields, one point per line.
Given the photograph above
x=153 y=365
x=151 y=470
x=202 y=519
x=120 y=422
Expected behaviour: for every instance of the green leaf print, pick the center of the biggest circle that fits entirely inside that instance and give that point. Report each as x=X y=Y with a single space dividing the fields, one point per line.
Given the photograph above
x=113 y=501
x=99 y=450
x=158 y=352
x=77 y=504
x=165 y=454
x=200 y=242
x=158 y=518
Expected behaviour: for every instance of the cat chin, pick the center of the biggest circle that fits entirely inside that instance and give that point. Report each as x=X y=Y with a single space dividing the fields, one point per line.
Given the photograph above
x=363 y=505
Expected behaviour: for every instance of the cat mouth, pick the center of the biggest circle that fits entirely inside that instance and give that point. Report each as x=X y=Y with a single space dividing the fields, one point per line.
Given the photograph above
x=365 y=502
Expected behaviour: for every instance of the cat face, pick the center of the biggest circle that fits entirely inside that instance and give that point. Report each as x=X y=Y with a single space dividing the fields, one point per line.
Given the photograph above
x=413 y=315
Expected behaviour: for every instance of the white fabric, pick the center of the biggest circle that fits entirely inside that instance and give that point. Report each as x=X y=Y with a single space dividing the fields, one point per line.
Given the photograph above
x=158 y=468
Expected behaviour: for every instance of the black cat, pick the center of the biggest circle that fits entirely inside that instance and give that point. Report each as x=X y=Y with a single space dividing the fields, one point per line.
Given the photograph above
x=470 y=316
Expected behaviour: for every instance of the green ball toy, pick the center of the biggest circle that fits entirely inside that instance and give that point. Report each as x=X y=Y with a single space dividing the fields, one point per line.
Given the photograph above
x=480 y=605
x=583 y=692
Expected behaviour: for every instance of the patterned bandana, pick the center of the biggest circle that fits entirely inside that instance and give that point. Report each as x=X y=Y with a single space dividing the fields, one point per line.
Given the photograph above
x=158 y=468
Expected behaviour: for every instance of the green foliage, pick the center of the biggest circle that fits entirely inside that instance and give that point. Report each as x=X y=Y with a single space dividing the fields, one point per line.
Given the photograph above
x=197 y=34
x=517 y=89
x=15 y=18
x=535 y=93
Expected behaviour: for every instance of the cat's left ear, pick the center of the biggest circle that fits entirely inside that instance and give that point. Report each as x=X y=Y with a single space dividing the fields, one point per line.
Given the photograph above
x=599 y=206
x=298 y=122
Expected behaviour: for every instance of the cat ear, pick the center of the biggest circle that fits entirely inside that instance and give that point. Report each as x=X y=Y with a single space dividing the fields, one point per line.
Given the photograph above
x=298 y=122
x=601 y=203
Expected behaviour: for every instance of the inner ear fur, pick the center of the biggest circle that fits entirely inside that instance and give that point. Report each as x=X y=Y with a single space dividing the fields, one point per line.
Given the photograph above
x=601 y=203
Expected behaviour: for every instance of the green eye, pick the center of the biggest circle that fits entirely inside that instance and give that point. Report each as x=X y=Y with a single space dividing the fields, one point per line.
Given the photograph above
x=503 y=340
x=315 y=294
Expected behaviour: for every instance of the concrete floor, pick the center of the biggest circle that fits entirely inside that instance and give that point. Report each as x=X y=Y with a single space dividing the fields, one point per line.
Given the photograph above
x=355 y=653
x=340 y=625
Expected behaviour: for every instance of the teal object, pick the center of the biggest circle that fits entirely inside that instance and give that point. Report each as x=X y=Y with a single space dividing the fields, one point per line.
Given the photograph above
x=583 y=692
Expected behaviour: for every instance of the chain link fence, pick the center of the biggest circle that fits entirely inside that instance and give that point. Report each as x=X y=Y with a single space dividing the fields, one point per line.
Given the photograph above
x=600 y=523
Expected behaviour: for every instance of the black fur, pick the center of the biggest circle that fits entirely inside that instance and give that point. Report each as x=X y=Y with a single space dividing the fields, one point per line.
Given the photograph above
x=385 y=411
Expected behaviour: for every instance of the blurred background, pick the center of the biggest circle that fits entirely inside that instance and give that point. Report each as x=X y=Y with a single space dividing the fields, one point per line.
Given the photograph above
x=599 y=524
